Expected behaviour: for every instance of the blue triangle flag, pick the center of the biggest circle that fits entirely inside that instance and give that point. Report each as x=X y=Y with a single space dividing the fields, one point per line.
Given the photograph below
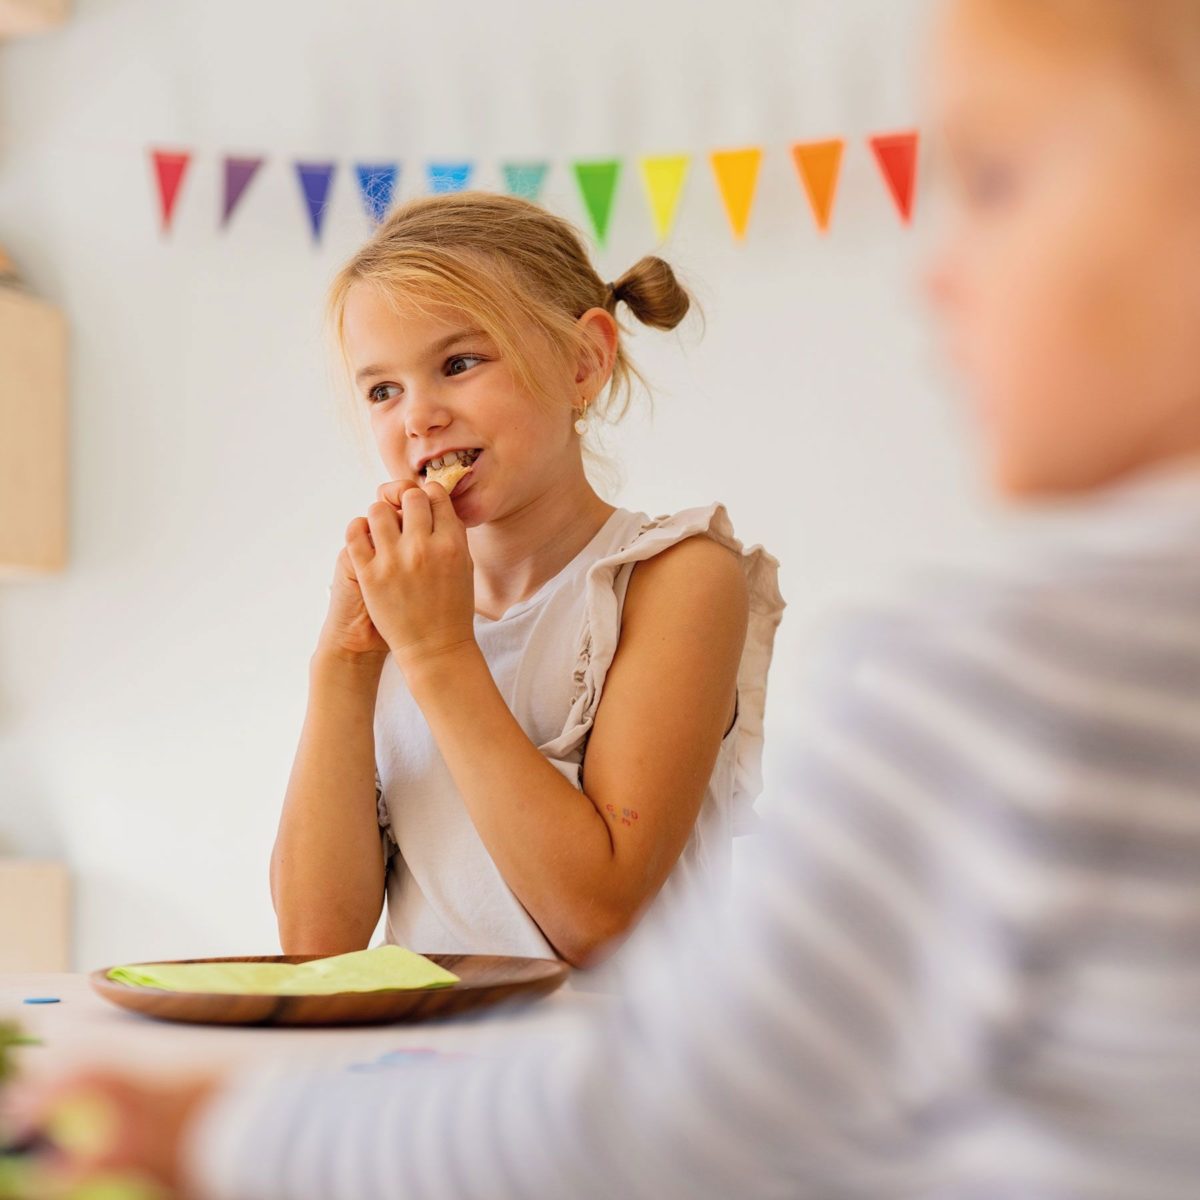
x=377 y=182
x=448 y=176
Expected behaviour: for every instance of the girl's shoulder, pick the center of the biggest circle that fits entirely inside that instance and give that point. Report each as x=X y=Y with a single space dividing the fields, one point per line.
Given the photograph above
x=643 y=537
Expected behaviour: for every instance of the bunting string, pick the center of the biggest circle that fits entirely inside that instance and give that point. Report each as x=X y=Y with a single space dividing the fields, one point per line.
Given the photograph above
x=664 y=179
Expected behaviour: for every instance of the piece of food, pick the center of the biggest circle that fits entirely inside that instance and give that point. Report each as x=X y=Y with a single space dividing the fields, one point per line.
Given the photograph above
x=449 y=476
x=448 y=469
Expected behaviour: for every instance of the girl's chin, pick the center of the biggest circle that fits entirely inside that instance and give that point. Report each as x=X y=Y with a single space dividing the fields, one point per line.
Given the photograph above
x=468 y=508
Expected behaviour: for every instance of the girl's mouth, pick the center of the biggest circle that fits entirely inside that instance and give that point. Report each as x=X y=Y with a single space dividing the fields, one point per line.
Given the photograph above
x=466 y=457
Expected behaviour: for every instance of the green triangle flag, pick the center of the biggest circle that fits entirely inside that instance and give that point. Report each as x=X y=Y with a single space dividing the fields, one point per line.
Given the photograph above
x=598 y=185
x=525 y=179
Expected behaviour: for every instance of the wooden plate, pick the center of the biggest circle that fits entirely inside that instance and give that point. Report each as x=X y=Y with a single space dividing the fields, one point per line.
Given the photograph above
x=484 y=980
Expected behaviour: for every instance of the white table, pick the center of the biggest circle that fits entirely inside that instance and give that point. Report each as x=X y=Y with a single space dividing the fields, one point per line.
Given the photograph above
x=84 y=1030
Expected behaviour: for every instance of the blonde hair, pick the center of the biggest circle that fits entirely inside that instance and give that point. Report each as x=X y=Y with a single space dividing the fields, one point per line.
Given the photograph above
x=522 y=273
x=1160 y=38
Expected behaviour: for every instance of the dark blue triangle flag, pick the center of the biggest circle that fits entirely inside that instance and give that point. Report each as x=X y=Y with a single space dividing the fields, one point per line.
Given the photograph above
x=448 y=176
x=315 y=178
x=377 y=182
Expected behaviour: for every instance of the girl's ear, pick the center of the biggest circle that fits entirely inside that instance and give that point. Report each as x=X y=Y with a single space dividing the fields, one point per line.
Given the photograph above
x=600 y=328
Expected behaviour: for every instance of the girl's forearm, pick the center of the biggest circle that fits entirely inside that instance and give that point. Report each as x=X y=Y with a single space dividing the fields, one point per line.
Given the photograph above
x=327 y=871
x=551 y=844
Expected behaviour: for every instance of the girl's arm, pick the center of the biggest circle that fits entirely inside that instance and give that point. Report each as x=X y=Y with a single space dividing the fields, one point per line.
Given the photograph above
x=327 y=868
x=585 y=863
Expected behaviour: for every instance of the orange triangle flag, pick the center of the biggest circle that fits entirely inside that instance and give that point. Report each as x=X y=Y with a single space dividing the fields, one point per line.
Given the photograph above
x=819 y=165
x=737 y=176
x=896 y=154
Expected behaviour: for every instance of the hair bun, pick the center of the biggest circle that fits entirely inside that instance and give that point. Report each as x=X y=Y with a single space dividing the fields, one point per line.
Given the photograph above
x=653 y=293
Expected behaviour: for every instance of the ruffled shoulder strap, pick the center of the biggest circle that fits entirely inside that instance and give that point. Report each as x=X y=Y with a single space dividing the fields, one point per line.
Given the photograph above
x=607 y=580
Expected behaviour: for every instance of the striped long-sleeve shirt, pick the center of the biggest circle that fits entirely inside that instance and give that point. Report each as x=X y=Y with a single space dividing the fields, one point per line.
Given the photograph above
x=968 y=966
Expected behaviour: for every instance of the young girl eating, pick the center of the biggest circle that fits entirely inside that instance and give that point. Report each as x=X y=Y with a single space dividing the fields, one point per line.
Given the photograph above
x=968 y=966
x=547 y=707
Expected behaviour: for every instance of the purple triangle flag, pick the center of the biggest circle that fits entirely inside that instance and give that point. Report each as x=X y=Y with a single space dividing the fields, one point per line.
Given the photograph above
x=377 y=182
x=315 y=178
x=238 y=173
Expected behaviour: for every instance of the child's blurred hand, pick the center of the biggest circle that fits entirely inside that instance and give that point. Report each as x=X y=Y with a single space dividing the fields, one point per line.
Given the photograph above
x=413 y=567
x=106 y=1125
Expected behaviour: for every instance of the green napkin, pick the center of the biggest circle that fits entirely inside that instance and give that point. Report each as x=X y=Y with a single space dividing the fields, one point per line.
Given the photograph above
x=382 y=969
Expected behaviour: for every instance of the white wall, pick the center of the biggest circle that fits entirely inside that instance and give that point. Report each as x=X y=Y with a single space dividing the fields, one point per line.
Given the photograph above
x=150 y=696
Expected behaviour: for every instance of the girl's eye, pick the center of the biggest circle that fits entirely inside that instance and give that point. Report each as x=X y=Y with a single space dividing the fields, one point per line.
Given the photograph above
x=452 y=363
x=377 y=395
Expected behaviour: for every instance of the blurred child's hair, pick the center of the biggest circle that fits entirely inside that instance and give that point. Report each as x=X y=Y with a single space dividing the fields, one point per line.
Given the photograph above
x=1159 y=37
x=519 y=272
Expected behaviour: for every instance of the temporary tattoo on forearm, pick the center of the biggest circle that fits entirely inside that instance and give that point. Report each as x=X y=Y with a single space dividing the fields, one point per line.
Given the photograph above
x=627 y=816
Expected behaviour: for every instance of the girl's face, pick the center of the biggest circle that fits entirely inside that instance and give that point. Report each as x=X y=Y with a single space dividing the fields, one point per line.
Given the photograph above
x=433 y=384
x=1069 y=284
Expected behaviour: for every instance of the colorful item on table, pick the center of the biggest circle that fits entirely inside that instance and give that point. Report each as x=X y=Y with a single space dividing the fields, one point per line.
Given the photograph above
x=10 y=1035
x=381 y=969
x=22 y=1178
x=409 y=1056
x=41 y=1000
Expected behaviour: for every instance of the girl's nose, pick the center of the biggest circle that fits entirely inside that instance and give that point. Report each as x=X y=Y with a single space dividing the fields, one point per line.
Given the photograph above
x=424 y=415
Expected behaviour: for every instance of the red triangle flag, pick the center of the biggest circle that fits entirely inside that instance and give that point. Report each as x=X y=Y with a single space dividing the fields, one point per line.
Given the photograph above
x=169 y=167
x=896 y=154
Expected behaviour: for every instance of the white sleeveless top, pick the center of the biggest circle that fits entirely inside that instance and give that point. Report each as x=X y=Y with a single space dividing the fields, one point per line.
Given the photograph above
x=549 y=656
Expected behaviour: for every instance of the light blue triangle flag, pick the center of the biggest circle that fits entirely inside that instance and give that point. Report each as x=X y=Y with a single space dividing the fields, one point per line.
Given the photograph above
x=448 y=176
x=525 y=179
x=377 y=182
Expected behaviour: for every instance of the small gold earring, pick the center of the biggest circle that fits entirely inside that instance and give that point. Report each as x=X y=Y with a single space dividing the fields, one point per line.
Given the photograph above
x=581 y=423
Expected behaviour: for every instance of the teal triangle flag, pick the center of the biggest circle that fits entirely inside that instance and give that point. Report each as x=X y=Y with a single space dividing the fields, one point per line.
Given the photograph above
x=598 y=184
x=525 y=179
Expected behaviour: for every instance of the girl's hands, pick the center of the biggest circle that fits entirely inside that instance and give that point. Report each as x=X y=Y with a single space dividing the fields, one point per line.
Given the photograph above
x=348 y=632
x=413 y=570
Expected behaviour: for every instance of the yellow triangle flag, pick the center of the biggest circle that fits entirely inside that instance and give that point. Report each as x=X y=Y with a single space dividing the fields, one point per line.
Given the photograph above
x=819 y=164
x=664 y=175
x=737 y=175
